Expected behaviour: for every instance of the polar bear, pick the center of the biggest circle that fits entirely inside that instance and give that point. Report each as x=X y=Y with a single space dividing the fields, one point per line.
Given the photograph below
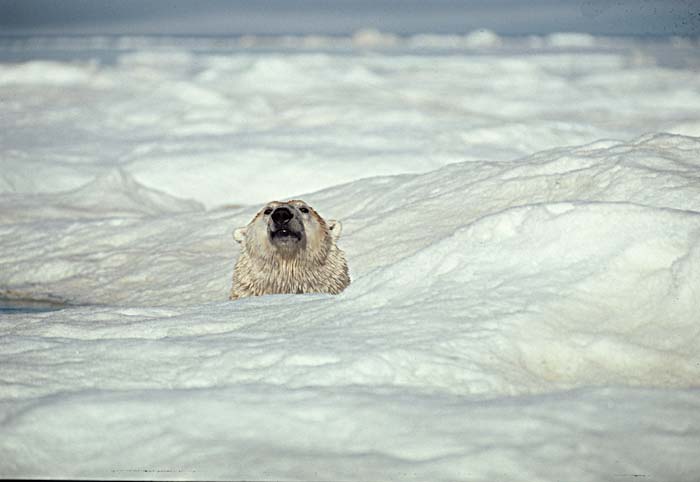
x=289 y=248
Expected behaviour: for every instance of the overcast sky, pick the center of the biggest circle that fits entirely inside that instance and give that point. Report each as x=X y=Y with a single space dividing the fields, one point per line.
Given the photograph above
x=235 y=17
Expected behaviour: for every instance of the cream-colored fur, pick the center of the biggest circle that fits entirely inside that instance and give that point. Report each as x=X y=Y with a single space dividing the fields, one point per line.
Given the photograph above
x=313 y=264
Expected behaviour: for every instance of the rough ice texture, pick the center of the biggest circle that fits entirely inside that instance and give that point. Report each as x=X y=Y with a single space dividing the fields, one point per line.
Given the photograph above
x=257 y=120
x=513 y=315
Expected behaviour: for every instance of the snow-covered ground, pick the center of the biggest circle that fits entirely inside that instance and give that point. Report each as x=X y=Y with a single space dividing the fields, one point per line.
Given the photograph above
x=521 y=221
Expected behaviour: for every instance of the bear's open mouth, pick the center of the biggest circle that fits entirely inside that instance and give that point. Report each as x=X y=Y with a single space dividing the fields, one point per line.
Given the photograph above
x=285 y=234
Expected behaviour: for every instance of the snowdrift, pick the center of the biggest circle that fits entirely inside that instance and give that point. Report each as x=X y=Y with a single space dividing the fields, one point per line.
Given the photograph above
x=533 y=319
x=227 y=125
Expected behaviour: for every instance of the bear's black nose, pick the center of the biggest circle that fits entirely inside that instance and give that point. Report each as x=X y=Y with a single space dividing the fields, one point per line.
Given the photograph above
x=281 y=215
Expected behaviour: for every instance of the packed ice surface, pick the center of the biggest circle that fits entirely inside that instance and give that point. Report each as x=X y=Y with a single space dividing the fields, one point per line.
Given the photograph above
x=523 y=239
x=202 y=124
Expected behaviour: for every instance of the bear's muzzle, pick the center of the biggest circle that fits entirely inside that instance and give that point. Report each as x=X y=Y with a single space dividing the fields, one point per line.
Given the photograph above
x=285 y=225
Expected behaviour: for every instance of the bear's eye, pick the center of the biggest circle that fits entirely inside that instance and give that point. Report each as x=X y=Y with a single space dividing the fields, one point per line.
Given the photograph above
x=268 y=211
x=304 y=210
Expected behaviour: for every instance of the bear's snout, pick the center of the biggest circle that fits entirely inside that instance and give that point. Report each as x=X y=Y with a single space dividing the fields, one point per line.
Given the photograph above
x=282 y=215
x=286 y=226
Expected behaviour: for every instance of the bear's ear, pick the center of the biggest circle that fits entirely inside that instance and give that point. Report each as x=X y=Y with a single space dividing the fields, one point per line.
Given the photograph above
x=239 y=234
x=335 y=227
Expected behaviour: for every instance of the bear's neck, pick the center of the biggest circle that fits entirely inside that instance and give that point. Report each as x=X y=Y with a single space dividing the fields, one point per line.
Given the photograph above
x=292 y=274
x=295 y=274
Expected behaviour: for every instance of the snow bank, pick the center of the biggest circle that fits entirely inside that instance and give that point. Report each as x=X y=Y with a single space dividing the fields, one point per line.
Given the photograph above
x=525 y=294
x=235 y=126
x=47 y=73
x=533 y=319
x=113 y=194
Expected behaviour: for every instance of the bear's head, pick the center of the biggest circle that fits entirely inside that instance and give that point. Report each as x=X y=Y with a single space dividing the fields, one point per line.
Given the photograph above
x=290 y=229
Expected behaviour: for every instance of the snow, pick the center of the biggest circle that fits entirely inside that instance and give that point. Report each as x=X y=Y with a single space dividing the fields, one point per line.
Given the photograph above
x=521 y=222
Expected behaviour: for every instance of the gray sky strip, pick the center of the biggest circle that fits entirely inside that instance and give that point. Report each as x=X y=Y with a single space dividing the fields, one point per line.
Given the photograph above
x=216 y=17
